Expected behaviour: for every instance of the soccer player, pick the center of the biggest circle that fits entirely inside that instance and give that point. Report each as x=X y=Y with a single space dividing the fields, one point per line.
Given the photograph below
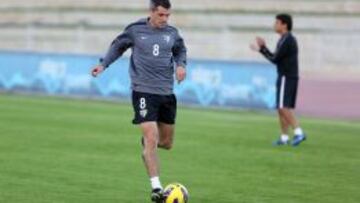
x=286 y=60
x=158 y=51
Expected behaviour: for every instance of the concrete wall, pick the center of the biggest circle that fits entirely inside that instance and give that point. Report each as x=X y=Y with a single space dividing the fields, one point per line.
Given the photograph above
x=327 y=30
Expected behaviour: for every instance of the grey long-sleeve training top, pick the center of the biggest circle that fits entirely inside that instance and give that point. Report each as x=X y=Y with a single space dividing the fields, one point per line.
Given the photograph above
x=155 y=52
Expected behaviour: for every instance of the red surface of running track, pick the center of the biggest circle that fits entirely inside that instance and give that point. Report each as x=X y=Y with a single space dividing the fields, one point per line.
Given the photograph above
x=330 y=99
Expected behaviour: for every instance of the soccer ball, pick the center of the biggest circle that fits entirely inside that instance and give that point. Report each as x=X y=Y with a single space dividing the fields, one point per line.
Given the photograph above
x=176 y=193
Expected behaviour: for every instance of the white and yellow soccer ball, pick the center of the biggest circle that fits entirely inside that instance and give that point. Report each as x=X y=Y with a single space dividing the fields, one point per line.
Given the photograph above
x=176 y=193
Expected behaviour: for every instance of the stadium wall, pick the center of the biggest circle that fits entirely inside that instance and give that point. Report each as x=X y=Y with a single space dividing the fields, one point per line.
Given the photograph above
x=327 y=30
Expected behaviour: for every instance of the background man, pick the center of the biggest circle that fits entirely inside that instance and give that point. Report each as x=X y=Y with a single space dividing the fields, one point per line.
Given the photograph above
x=286 y=60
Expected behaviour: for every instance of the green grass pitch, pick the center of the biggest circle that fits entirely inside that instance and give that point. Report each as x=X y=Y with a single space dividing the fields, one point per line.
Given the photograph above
x=76 y=151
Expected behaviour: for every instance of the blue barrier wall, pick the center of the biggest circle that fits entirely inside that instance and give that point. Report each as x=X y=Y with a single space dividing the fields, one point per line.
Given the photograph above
x=209 y=83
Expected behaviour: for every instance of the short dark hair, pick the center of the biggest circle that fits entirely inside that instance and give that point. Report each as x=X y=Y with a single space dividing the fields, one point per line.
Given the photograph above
x=286 y=19
x=163 y=3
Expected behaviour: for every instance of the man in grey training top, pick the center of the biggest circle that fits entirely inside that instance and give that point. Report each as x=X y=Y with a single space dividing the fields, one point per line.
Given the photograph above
x=157 y=52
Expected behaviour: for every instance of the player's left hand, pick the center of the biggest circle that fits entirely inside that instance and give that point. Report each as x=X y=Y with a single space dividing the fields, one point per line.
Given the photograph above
x=260 y=41
x=97 y=70
x=180 y=74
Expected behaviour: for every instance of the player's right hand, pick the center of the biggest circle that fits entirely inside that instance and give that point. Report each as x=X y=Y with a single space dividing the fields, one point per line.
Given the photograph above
x=254 y=47
x=97 y=70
